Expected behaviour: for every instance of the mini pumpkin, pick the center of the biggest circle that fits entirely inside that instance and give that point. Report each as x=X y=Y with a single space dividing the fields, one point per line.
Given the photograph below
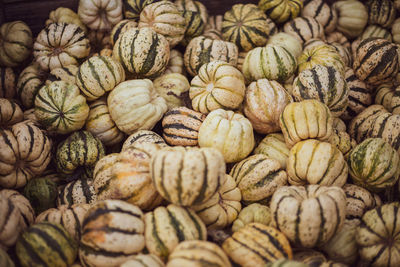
x=133 y=8
x=80 y=191
x=286 y=40
x=325 y=55
x=10 y=113
x=66 y=74
x=31 y=79
x=274 y=147
x=100 y=15
x=42 y=193
x=194 y=6
x=352 y=17
x=304 y=29
x=281 y=11
x=143 y=136
x=387 y=127
x=254 y=212
x=194 y=25
x=381 y=12
x=175 y=63
x=173 y=87
x=322 y=12
x=120 y=28
x=66 y=15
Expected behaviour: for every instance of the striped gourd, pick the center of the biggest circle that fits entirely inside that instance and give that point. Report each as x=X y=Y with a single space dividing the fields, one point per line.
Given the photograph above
x=253 y=213
x=217 y=85
x=222 y=208
x=46 y=244
x=304 y=29
x=8 y=82
x=203 y=169
x=120 y=28
x=174 y=88
x=213 y=28
x=112 y=233
x=339 y=125
x=308 y=216
x=61 y=108
x=312 y=43
x=154 y=56
x=281 y=11
x=66 y=73
x=241 y=57
x=273 y=62
x=325 y=84
x=315 y=162
x=80 y=149
x=70 y=217
x=256 y=245
x=376 y=31
x=202 y=50
x=100 y=15
x=181 y=126
x=373 y=164
x=100 y=124
x=16 y=45
x=258 y=177
x=80 y=191
x=31 y=79
x=175 y=63
x=194 y=25
x=264 y=103
x=5 y=259
x=229 y=132
x=66 y=15
x=166 y=227
x=143 y=136
x=381 y=12
x=376 y=61
x=387 y=127
x=388 y=98
x=322 y=12
x=98 y=75
x=59 y=45
x=194 y=6
x=272 y=28
x=10 y=113
x=325 y=55
x=352 y=17
x=143 y=260
x=25 y=153
x=135 y=105
x=246 y=26
x=308 y=119
x=338 y=37
x=102 y=174
x=133 y=8
x=198 y=253
x=41 y=193
x=396 y=31
x=164 y=18
x=342 y=141
x=274 y=147
x=288 y=41
x=345 y=54
x=376 y=236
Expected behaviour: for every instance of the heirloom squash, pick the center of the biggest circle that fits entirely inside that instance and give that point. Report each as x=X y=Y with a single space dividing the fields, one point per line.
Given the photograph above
x=120 y=28
x=10 y=113
x=253 y=213
x=100 y=15
x=31 y=79
x=213 y=28
x=286 y=40
x=304 y=29
x=194 y=26
x=66 y=74
x=41 y=193
x=133 y=8
x=80 y=191
x=373 y=31
x=381 y=12
x=396 y=31
x=322 y=12
x=143 y=259
x=194 y=6
x=325 y=55
x=281 y=11
x=274 y=147
x=175 y=63
x=174 y=88
x=338 y=37
x=66 y=15
x=143 y=136
x=387 y=127
x=352 y=17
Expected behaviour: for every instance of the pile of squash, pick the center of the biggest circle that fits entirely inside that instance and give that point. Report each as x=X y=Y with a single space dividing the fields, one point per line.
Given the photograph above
x=148 y=133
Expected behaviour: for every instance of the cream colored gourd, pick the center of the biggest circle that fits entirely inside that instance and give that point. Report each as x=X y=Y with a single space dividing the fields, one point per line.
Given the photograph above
x=173 y=87
x=100 y=15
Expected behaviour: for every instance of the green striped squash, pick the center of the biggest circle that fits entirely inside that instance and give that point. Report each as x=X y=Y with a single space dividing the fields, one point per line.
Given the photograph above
x=203 y=169
x=133 y=8
x=80 y=191
x=387 y=127
x=376 y=31
x=102 y=174
x=60 y=108
x=98 y=75
x=31 y=79
x=325 y=84
x=274 y=147
x=315 y=162
x=80 y=149
x=376 y=235
x=381 y=12
x=143 y=136
x=198 y=253
x=202 y=50
x=154 y=56
x=288 y=41
x=258 y=177
x=10 y=113
x=308 y=216
x=41 y=193
x=63 y=14
x=281 y=11
x=256 y=245
x=166 y=227
x=342 y=141
x=5 y=259
x=272 y=62
x=174 y=88
x=246 y=26
x=46 y=244
x=213 y=28
x=194 y=26
x=304 y=29
x=388 y=98
x=8 y=82
x=374 y=164
x=144 y=260
x=325 y=55
x=253 y=213
x=22 y=204
x=286 y=263
x=120 y=28
x=194 y=6
x=181 y=126
x=322 y=12
x=65 y=73
x=112 y=233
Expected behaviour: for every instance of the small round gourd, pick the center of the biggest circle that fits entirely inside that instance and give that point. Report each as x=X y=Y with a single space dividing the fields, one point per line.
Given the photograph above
x=286 y=40
x=143 y=259
x=352 y=17
x=120 y=28
x=342 y=141
x=66 y=74
x=274 y=147
x=194 y=6
x=41 y=193
x=175 y=63
x=133 y=8
x=143 y=136
x=380 y=12
x=325 y=55
x=8 y=82
x=359 y=200
x=100 y=15
x=173 y=87
x=281 y=11
x=322 y=12
x=66 y=15
x=304 y=29
x=253 y=213
x=80 y=191
x=338 y=37
x=194 y=25
x=10 y=113
x=30 y=80
x=373 y=31
x=387 y=127
x=213 y=28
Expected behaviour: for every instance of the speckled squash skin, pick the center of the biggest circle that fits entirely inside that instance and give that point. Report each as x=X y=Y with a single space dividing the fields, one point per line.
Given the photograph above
x=100 y=15
x=253 y=213
x=10 y=113
x=322 y=12
x=80 y=191
x=194 y=26
x=382 y=13
x=120 y=28
x=66 y=74
x=288 y=41
x=30 y=80
x=194 y=6
x=143 y=136
x=175 y=63
x=281 y=11
x=373 y=31
x=173 y=87
x=133 y=8
x=274 y=147
x=304 y=29
x=387 y=127
x=352 y=17
x=66 y=15
x=42 y=193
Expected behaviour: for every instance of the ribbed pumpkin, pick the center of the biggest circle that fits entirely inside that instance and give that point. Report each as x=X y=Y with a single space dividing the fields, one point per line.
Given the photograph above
x=387 y=127
x=174 y=88
x=16 y=43
x=344 y=53
x=342 y=141
x=143 y=136
x=10 y=113
x=274 y=147
x=315 y=162
x=99 y=40
x=102 y=174
x=373 y=31
x=381 y=12
x=25 y=152
x=305 y=120
x=246 y=26
x=98 y=75
x=308 y=216
x=5 y=259
x=253 y=213
x=154 y=52
x=143 y=260
x=273 y=62
x=60 y=44
x=164 y=18
x=264 y=102
x=304 y=29
x=120 y=28
x=352 y=17
x=41 y=193
x=60 y=107
x=339 y=125
x=202 y=50
x=288 y=41
x=30 y=80
x=100 y=15
x=256 y=244
x=325 y=55
x=377 y=235
x=166 y=227
x=217 y=85
x=198 y=253
x=100 y=124
x=373 y=164
x=66 y=74
x=376 y=61
x=203 y=169
x=281 y=11
x=222 y=208
x=338 y=37
x=8 y=82
x=325 y=84
x=213 y=29
x=322 y=12
x=175 y=63
x=194 y=6
x=181 y=126
x=133 y=8
x=194 y=25
x=80 y=191
x=229 y=132
x=66 y=15
x=112 y=233
x=388 y=98
x=135 y=105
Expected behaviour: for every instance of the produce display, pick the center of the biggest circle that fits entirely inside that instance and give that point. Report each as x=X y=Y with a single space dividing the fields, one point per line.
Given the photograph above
x=196 y=133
